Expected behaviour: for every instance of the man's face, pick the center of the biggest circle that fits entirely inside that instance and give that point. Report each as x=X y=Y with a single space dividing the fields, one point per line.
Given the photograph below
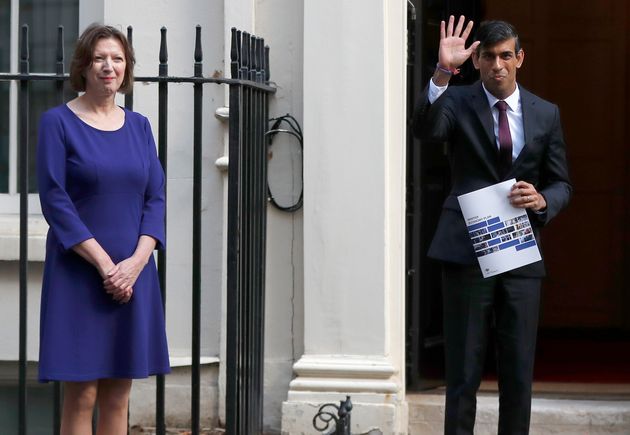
x=497 y=65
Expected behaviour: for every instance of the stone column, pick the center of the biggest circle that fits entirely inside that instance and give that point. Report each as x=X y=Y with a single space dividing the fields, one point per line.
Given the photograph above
x=354 y=185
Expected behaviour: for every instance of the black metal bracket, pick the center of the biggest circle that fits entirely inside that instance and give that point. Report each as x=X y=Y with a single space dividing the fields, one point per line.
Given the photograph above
x=326 y=416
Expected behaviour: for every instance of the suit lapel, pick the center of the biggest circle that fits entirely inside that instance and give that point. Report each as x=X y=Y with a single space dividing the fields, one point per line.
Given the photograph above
x=528 y=106
x=479 y=103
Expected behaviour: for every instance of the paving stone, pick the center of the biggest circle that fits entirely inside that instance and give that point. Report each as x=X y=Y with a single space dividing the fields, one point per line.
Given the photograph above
x=549 y=416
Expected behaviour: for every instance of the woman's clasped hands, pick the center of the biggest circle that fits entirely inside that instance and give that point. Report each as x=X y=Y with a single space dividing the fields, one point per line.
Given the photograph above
x=121 y=278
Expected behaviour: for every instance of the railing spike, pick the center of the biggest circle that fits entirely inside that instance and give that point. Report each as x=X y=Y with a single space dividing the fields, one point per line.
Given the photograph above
x=129 y=95
x=234 y=55
x=60 y=51
x=24 y=55
x=263 y=60
x=233 y=49
x=238 y=49
x=267 y=67
x=245 y=51
x=245 y=56
x=252 y=58
x=259 y=54
x=254 y=53
x=198 y=52
x=163 y=48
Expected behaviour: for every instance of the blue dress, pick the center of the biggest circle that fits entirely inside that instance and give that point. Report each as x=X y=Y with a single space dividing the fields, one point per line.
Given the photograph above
x=108 y=185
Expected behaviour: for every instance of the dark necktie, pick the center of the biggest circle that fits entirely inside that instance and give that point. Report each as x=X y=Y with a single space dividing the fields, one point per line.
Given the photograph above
x=505 y=140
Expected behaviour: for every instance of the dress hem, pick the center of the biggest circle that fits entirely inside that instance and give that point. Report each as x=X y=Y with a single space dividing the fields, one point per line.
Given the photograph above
x=92 y=377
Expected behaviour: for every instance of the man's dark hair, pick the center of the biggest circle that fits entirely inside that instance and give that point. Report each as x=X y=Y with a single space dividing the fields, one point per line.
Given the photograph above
x=493 y=32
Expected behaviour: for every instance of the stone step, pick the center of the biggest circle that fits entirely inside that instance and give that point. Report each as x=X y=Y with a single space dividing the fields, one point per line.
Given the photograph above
x=557 y=416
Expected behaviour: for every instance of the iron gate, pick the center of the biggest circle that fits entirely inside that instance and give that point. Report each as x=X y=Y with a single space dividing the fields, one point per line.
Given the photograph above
x=247 y=189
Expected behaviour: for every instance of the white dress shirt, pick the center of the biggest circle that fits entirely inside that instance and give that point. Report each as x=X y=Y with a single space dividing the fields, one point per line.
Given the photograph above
x=514 y=114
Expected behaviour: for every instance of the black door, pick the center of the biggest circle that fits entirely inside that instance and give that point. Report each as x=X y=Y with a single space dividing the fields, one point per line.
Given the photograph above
x=427 y=186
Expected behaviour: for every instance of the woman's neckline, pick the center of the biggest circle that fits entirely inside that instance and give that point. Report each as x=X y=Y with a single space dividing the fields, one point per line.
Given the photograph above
x=96 y=128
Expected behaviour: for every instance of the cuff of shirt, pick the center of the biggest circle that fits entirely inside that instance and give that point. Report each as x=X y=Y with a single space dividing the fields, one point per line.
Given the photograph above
x=435 y=91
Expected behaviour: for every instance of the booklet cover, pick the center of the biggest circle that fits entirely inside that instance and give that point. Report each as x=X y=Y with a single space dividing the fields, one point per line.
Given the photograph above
x=501 y=234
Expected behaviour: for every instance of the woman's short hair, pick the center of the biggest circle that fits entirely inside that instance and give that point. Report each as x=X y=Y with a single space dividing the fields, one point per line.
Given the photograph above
x=84 y=54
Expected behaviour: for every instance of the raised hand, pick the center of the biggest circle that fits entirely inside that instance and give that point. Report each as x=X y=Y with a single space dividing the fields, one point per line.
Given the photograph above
x=453 y=51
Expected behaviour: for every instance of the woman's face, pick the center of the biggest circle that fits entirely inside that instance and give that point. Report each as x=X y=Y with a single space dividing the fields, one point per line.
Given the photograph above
x=107 y=72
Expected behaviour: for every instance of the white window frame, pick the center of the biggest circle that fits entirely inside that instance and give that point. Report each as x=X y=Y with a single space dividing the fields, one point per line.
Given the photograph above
x=10 y=202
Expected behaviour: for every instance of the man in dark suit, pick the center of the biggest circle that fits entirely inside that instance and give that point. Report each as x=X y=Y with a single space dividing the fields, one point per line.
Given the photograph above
x=496 y=131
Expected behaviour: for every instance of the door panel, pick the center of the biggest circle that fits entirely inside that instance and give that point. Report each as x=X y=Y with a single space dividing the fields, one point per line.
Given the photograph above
x=427 y=186
x=576 y=56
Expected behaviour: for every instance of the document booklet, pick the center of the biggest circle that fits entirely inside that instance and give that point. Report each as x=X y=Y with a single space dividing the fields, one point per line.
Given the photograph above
x=501 y=234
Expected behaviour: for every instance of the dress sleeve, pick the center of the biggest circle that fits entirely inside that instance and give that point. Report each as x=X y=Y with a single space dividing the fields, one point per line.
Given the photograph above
x=153 y=212
x=57 y=207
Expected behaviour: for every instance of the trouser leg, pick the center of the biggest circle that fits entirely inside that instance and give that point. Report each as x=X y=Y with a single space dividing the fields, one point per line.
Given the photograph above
x=468 y=299
x=516 y=313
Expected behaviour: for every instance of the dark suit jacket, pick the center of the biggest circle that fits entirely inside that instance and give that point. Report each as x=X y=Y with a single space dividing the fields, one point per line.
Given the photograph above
x=462 y=117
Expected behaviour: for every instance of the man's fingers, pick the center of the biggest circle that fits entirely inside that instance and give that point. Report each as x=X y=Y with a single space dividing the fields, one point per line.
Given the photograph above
x=522 y=193
x=449 y=28
x=442 y=30
x=473 y=47
x=460 y=26
x=521 y=184
x=467 y=30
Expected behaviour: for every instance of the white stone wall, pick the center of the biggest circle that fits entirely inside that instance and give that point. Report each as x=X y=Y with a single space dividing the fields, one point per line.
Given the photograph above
x=354 y=178
x=177 y=399
x=10 y=306
x=281 y=23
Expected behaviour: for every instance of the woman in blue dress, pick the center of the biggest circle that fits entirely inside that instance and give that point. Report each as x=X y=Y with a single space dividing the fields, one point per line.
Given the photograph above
x=101 y=187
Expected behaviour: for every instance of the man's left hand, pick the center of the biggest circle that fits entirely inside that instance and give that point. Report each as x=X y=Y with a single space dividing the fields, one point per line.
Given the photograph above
x=524 y=195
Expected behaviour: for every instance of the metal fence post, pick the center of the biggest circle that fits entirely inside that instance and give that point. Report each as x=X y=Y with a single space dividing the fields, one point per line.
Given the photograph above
x=196 y=242
x=23 y=186
x=160 y=421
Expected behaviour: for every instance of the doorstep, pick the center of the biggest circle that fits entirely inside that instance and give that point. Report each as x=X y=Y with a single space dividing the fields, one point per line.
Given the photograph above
x=556 y=409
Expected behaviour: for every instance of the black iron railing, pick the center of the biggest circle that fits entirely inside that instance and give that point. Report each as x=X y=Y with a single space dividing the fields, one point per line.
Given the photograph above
x=247 y=194
x=247 y=187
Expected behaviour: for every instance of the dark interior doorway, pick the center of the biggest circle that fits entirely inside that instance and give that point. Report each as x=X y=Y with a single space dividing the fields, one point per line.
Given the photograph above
x=576 y=55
